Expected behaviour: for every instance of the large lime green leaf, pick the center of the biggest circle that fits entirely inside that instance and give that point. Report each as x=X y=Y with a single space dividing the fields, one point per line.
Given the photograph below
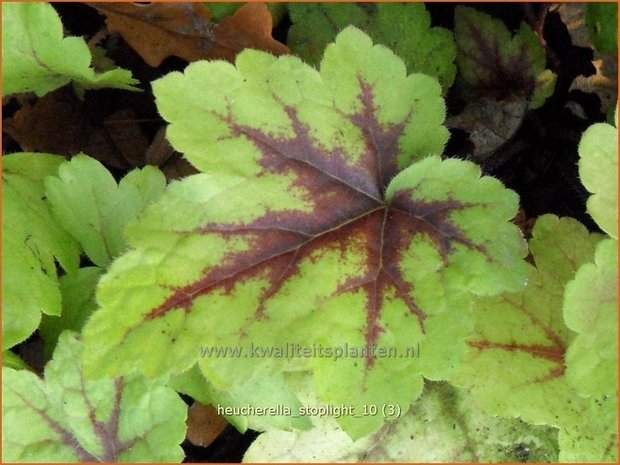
x=65 y=418
x=441 y=426
x=300 y=233
x=516 y=362
x=403 y=27
x=36 y=57
x=598 y=170
x=591 y=309
x=494 y=62
x=86 y=201
x=31 y=242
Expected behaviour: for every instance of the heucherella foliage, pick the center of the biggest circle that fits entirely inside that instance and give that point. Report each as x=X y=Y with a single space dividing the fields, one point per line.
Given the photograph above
x=403 y=27
x=441 y=426
x=32 y=243
x=602 y=22
x=516 y=364
x=493 y=62
x=65 y=418
x=598 y=171
x=36 y=58
x=323 y=216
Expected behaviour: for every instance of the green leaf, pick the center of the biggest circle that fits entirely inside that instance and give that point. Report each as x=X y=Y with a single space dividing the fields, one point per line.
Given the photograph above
x=275 y=393
x=31 y=244
x=591 y=309
x=36 y=58
x=12 y=360
x=302 y=225
x=219 y=10
x=403 y=27
x=65 y=418
x=88 y=203
x=78 y=303
x=602 y=22
x=494 y=62
x=598 y=170
x=516 y=361
x=440 y=427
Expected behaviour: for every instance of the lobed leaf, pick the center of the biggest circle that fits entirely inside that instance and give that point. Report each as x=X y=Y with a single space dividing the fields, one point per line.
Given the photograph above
x=301 y=230
x=86 y=201
x=591 y=309
x=441 y=426
x=598 y=170
x=494 y=62
x=403 y=27
x=31 y=243
x=516 y=361
x=65 y=418
x=602 y=22
x=36 y=58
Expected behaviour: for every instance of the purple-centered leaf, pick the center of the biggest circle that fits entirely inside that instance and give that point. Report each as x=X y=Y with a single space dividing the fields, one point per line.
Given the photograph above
x=324 y=233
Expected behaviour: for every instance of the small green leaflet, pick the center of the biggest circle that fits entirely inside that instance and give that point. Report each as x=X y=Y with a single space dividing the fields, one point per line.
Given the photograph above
x=65 y=418
x=78 y=303
x=321 y=217
x=31 y=243
x=87 y=202
x=493 y=62
x=441 y=427
x=403 y=27
x=36 y=58
x=516 y=362
x=598 y=170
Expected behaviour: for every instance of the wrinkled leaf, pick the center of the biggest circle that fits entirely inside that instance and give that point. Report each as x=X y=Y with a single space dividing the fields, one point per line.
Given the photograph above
x=516 y=362
x=598 y=170
x=86 y=200
x=78 y=303
x=591 y=309
x=36 y=58
x=495 y=63
x=65 y=418
x=403 y=27
x=31 y=244
x=159 y=30
x=440 y=427
x=304 y=226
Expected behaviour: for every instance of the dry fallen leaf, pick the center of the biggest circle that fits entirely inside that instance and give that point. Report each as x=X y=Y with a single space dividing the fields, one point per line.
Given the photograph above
x=204 y=425
x=159 y=30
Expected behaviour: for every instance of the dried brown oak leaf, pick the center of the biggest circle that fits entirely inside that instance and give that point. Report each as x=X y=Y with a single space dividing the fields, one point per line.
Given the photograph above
x=159 y=30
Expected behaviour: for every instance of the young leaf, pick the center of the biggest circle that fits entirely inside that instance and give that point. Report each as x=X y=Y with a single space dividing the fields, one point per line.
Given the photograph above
x=31 y=244
x=493 y=62
x=441 y=426
x=88 y=203
x=516 y=362
x=403 y=27
x=78 y=303
x=591 y=309
x=303 y=227
x=36 y=58
x=598 y=170
x=65 y=418
x=12 y=360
